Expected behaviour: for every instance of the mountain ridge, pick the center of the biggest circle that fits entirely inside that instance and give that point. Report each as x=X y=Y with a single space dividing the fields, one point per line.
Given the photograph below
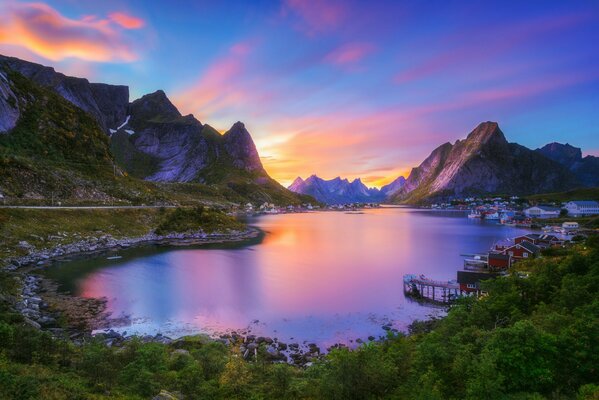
x=339 y=191
x=585 y=168
x=147 y=138
x=483 y=163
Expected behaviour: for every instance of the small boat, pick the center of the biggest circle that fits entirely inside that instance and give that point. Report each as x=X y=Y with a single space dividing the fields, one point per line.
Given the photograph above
x=474 y=214
x=492 y=216
x=114 y=257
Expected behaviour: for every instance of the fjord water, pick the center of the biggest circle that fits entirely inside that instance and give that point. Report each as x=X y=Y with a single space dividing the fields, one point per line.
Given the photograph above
x=322 y=277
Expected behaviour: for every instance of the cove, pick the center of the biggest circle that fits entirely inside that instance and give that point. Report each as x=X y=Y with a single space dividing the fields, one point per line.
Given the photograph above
x=319 y=277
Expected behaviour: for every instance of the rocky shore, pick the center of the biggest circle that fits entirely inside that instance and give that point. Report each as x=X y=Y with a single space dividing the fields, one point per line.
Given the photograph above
x=66 y=316
x=92 y=245
x=80 y=320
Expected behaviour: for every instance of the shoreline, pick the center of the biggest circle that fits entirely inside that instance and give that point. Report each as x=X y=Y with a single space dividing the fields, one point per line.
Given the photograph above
x=43 y=305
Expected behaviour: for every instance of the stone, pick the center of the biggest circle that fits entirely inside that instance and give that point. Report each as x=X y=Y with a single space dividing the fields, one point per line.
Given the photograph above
x=165 y=395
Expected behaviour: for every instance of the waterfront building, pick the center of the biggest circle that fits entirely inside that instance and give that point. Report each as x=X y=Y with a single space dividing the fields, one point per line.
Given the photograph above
x=582 y=208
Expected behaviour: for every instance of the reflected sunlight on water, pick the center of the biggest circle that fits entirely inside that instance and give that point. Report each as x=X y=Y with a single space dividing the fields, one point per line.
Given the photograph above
x=325 y=277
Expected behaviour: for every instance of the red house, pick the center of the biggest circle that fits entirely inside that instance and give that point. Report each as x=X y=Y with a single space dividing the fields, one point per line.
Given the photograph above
x=499 y=261
x=522 y=250
x=540 y=240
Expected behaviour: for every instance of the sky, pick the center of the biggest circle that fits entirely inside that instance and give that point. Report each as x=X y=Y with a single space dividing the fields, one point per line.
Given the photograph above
x=357 y=89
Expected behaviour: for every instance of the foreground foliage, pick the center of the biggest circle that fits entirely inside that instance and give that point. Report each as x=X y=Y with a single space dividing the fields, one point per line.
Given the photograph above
x=532 y=337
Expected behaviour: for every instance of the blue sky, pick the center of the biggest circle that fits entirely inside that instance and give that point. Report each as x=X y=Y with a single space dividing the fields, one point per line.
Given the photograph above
x=357 y=89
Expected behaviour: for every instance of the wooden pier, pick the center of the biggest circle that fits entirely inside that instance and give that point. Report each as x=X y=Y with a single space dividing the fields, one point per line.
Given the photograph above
x=437 y=291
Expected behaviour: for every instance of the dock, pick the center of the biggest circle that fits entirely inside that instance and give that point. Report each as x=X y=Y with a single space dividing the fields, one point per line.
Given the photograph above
x=421 y=287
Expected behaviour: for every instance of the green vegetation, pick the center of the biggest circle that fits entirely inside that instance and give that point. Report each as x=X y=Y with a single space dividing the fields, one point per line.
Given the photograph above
x=46 y=228
x=576 y=194
x=531 y=337
x=191 y=219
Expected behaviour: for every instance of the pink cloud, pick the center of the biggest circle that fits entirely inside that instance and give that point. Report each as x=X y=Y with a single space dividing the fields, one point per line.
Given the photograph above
x=316 y=16
x=350 y=53
x=44 y=31
x=126 y=21
x=219 y=87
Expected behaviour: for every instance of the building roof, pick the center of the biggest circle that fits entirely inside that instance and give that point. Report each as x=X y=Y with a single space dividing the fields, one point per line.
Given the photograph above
x=549 y=238
x=499 y=256
x=585 y=203
x=544 y=208
x=533 y=248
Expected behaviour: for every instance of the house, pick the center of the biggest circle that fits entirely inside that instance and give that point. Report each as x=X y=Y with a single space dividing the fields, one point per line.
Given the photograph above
x=582 y=208
x=540 y=240
x=570 y=226
x=499 y=261
x=522 y=250
x=502 y=245
x=531 y=237
x=469 y=281
x=542 y=212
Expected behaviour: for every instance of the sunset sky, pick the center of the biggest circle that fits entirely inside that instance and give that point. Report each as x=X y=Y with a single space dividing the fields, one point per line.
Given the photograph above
x=356 y=89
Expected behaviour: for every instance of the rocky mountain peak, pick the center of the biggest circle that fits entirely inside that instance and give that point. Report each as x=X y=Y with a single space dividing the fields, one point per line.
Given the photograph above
x=296 y=183
x=240 y=146
x=153 y=106
x=106 y=103
x=487 y=132
x=562 y=153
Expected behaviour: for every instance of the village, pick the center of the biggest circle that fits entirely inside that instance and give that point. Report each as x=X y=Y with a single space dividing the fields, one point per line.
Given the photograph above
x=479 y=267
x=505 y=253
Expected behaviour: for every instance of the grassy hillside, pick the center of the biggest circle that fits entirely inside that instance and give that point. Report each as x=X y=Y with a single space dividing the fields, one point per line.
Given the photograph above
x=47 y=228
x=576 y=194
x=529 y=338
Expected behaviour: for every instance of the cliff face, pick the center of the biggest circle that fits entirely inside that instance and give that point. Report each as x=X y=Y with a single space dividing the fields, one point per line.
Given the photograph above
x=586 y=169
x=484 y=163
x=10 y=110
x=157 y=143
x=106 y=103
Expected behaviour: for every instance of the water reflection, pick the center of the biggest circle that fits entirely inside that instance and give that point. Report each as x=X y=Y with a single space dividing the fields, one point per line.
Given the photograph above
x=321 y=277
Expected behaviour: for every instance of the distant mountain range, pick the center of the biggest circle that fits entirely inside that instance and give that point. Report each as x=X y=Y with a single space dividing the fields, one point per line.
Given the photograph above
x=69 y=138
x=484 y=163
x=342 y=191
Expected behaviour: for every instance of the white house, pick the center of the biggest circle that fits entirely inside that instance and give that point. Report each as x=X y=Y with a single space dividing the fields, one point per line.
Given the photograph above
x=542 y=212
x=582 y=208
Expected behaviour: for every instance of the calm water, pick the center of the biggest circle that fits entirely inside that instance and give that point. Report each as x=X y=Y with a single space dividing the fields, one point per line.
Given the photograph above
x=325 y=277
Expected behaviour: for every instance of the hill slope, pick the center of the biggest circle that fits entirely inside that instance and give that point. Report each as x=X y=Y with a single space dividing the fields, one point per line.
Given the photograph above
x=586 y=169
x=483 y=163
x=52 y=148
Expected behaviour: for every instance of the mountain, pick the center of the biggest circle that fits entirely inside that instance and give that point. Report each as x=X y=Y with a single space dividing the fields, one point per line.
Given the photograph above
x=106 y=103
x=586 y=169
x=483 y=163
x=393 y=187
x=336 y=191
x=62 y=126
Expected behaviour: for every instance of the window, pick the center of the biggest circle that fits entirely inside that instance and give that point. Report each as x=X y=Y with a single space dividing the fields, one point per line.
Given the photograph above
x=471 y=286
x=511 y=253
x=525 y=255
